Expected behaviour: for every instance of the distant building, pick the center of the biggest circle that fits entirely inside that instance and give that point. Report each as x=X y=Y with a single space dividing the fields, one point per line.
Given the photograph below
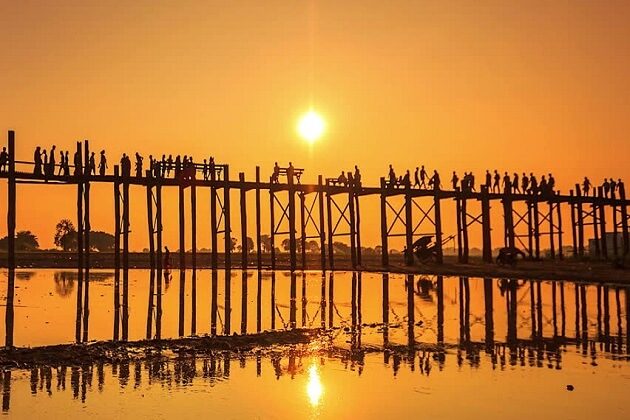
x=610 y=236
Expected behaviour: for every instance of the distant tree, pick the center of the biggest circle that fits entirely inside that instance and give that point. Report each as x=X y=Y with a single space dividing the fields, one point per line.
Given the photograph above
x=250 y=245
x=234 y=243
x=265 y=243
x=286 y=244
x=66 y=235
x=341 y=248
x=25 y=240
x=102 y=241
x=312 y=246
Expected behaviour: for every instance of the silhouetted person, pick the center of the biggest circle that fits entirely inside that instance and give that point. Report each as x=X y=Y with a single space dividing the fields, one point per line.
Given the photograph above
x=275 y=176
x=37 y=158
x=586 y=186
x=497 y=180
x=51 y=161
x=169 y=165
x=613 y=187
x=524 y=183
x=341 y=179
x=176 y=166
x=125 y=166
x=620 y=185
x=533 y=184
x=62 y=162
x=507 y=184
x=423 y=177
x=416 y=177
x=406 y=180
x=205 y=169
x=471 y=181
x=606 y=187
x=551 y=183
x=543 y=186
x=488 y=183
x=434 y=182
x=290 y=172
x=102 y=163
x=66 y=165
x=357 y=176
x=455 y=181
x=392 y=176
x=515 y=185
x=139 y=160
x=350 y=179
x=92 y=165
x=4 y=160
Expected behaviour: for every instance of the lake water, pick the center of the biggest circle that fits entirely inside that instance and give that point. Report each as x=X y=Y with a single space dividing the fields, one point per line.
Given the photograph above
x=445 y=347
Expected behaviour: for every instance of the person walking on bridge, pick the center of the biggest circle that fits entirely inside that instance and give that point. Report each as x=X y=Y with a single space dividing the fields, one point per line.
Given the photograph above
x=488 y=183
x=524 y=183
x=586 y=186
x=515 y=185
x=357 y=177
x=533 y=184
x=423 y=177
x=507 y=184
x=416 y=177
x=606 y=187
x=102 y=164
x=392 y=176
x=434 y=182
x=455 y=181
x=497 y=179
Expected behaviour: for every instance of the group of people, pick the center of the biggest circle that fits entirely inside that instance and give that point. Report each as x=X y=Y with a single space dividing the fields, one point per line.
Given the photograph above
x=347 y=179
x=525 y=184
x=421 y=179
x=290 y=171
x=610 y=187
x=46 y=163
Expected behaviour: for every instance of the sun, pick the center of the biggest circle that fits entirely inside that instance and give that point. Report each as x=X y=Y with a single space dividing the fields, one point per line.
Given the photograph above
x=311 y=126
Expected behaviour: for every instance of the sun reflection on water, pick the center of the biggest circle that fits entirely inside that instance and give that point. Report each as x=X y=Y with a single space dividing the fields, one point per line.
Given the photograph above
x=314 y=388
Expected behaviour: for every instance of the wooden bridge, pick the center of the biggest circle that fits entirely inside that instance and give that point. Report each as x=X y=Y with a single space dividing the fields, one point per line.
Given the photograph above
x=327 y=210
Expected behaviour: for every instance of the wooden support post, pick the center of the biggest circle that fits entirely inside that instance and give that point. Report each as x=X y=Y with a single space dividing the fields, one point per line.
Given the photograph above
x=272 y=220
x=116 y=253
x=357 y=229
x=508 y=222
x=536 y=216
x=408 y=255
x=597 y=193
x=125 y=259
x=353 y=242
x=384 y=227
x=331 y=255
x=580 y=220
x=559 y=229
x=151 y=232
x=243 y=205
x=624 y=220
x=485 y=225
x=552 y=230
x=602 y=225
x=80 y=236
x=438 y=226
x=226 y=217
x=303 y=228
x=530 y=229
x=292 y=241
x=158 y=217
x=11 y=220
x=86 y=233
x=182 y=257
x=322 y=228
x=458 y=219
x=573 y=225
x=615 y=223
x=214 y=302
x=258 y=222
x=213 y=218
x=193 y=257
x=465 y=251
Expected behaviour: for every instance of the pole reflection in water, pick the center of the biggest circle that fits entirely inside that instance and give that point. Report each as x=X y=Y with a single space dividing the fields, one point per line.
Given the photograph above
x=214 y=302
x=227 y=324
x=244 y=302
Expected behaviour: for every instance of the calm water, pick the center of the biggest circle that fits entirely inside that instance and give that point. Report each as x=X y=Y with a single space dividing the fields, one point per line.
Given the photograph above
x=445 y=347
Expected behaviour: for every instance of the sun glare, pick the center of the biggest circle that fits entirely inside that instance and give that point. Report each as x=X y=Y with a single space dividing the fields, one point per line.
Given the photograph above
x=311 y=126
x=314 y=389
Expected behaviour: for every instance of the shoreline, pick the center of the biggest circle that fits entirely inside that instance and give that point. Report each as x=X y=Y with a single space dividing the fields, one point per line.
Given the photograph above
x=594 y=271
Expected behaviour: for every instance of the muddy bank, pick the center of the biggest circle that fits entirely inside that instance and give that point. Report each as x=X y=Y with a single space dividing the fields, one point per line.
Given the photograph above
x=112 y=352
x=597 y=271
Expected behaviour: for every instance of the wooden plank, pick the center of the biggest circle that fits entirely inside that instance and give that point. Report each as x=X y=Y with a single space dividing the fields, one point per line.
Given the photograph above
x=116 y=253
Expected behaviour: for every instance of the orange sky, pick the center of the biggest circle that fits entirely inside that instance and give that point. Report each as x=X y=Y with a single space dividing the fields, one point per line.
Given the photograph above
x=533 y=85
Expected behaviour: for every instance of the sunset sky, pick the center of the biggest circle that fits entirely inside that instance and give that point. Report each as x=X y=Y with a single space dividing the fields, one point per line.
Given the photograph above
x=456 y=85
